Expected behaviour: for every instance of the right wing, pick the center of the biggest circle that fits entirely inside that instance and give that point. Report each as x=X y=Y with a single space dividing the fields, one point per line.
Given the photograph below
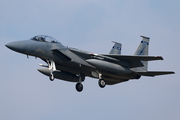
x=134 y=57
x=131 y=61
x=155 y=73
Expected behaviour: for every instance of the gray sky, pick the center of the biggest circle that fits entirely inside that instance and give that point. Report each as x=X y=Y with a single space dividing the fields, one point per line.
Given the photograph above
x=90 y=25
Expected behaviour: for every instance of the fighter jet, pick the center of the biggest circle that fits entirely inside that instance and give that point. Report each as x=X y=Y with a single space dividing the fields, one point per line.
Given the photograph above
x=74 y=65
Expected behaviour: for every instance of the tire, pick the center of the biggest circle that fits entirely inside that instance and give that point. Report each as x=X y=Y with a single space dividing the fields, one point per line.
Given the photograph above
x=51 y=77
x=102 y=83
x=79 y=87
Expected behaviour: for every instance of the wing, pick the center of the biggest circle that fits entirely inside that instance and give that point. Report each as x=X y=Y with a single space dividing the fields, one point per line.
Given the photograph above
x=134 y=57
x=133 y=61
x=71 y=57
x=155 y=73
x=125 y=60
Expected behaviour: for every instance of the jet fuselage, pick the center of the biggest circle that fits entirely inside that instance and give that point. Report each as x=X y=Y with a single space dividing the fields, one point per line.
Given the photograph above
x=74 y=65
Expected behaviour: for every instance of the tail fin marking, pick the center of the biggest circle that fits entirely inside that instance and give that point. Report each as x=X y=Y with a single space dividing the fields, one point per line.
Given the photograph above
x=116 y=49
x=142 y=49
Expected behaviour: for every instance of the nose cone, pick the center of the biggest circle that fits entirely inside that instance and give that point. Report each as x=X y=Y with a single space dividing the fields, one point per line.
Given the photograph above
x=18 y=46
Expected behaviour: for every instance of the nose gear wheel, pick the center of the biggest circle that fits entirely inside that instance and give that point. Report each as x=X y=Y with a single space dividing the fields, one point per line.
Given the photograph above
x=52 y=67
x=51 y=77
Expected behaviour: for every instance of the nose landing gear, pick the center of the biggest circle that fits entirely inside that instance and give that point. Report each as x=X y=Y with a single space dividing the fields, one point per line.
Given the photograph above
x=52 y=67
x=51 y=77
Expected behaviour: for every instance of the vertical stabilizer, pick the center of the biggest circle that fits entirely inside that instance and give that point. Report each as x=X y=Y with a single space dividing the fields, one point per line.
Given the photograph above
x=142 y=50
x=116 y=49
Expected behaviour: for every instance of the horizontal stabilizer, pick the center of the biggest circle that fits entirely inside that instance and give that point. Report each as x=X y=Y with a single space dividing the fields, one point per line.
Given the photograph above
x=155 y=73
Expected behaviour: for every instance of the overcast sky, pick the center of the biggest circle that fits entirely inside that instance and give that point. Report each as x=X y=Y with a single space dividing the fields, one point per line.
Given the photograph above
x=90 y=25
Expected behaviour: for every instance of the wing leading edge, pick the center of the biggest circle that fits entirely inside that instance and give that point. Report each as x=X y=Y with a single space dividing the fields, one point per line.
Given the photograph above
x=155 y=73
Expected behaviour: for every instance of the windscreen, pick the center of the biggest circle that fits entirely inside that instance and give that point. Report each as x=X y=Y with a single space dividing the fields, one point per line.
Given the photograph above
x=44 y=38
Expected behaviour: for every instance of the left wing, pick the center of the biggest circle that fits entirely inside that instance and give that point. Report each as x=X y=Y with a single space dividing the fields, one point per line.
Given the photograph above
x=71 y=57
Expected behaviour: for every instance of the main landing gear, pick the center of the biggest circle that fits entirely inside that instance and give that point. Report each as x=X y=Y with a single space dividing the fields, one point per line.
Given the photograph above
x=79 y=85
x=101 y=82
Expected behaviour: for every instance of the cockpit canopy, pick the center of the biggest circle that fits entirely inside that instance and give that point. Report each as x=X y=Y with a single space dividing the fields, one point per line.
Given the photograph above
x=44 y=38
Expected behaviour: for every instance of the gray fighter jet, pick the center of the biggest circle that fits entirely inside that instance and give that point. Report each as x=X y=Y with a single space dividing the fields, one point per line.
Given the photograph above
x=74 y=65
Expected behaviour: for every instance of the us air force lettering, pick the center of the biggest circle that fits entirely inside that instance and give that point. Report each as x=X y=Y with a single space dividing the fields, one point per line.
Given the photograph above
x=74 y=65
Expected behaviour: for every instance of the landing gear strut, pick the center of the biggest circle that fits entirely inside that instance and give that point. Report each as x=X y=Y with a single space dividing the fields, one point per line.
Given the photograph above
x=79 y=85
x=101 y=82
x=52 y=67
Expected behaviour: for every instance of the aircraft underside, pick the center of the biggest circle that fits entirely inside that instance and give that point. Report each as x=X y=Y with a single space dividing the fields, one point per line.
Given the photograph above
x=78 y=74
